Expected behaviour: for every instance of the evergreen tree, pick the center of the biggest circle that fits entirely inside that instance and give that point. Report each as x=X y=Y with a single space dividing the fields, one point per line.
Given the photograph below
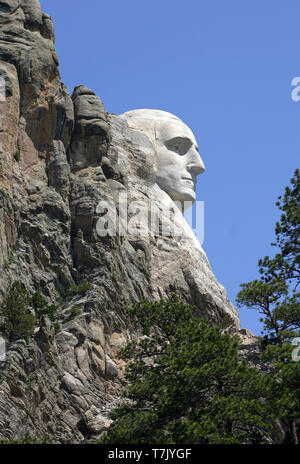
x=41 y=306
x=17 y=319
x=184 y=383
x=276 y=297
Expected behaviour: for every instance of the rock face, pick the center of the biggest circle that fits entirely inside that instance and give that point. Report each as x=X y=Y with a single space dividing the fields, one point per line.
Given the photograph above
x=91 y=133
x=60 y=157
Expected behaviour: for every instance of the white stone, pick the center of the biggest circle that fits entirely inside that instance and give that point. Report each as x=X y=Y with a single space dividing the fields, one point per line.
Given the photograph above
x=177 y=154
x=176 y=260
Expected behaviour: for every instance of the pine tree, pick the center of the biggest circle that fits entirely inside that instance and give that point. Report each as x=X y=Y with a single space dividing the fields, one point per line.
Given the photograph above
x=276 y=297
x=17 y=319
x=184 y=383
x=41 y=306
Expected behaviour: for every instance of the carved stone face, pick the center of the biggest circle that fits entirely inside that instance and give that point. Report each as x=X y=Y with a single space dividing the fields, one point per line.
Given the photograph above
x=178 y=159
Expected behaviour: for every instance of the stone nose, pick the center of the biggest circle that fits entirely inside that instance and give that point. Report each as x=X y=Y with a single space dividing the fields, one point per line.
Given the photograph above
x=196 y=165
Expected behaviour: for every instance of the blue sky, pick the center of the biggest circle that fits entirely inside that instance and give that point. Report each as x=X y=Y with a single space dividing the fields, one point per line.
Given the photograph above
x=225 y=68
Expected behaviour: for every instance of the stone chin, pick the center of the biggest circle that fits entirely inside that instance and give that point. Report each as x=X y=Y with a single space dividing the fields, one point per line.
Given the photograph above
x=187 y=195
x=181 y=193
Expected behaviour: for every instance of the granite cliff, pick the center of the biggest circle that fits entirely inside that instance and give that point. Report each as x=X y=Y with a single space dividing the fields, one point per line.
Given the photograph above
x=60 y=155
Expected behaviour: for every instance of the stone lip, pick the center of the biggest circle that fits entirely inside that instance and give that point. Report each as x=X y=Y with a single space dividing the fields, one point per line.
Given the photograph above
x=60 y=156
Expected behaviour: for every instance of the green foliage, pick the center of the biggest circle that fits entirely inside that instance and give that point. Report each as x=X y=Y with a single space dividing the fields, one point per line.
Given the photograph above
x=80 y=289
x=75 y=311
x=57 y=327
x=29 y=381
x=17 y=156
x=227 y=322
x=18 y=322
x=17 y=318
x=27 y=440
x=41 y=306
x=184 y=383
x=276 y=298
x=11 y=257
x=8 y=262
x=286 y=264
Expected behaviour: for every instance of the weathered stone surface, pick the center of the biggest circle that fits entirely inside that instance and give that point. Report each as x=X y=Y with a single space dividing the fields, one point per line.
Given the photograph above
x=59 y=157
x=91 y=134
x=95 y=421
x=33 y=14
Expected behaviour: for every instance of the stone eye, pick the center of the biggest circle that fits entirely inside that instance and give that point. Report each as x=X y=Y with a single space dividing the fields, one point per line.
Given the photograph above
x=179 y=145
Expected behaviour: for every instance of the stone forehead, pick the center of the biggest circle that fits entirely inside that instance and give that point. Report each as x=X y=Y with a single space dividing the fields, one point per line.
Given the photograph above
x=144 y=113
x=156 y=123
x=169 y=129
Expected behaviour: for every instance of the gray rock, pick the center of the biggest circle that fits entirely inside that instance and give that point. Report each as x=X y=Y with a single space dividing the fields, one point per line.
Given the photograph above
x=91 y=133
x=71 y=156
x=47 y=29
x=95 y=421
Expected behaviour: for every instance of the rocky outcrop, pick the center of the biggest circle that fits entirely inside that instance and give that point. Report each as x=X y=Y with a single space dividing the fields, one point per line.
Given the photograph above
x=60 y=158
x=90 y=138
